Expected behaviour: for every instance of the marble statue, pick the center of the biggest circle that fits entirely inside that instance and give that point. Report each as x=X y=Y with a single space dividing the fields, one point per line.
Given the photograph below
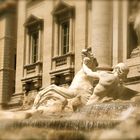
x=110 y=84
x=81 y=91
x=81 y=87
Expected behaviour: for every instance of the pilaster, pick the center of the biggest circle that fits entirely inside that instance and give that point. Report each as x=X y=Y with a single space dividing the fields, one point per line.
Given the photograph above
x=102 y=32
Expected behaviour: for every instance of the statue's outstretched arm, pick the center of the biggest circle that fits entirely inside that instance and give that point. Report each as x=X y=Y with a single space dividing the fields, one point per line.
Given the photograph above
x=89 y=72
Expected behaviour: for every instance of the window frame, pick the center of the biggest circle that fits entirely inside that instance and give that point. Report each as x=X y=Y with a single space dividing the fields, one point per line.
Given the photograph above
x=33 y=25
x=66 y=18
x=63 y=12
x=65 y=47
x=34 y=46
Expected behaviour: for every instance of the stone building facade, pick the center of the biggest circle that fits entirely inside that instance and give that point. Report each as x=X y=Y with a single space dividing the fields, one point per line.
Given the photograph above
x=8 y=31
x=51 y=35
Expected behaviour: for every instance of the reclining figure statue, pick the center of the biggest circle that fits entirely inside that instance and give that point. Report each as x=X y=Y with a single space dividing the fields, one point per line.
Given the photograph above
x=81 y=86
x=81 y=90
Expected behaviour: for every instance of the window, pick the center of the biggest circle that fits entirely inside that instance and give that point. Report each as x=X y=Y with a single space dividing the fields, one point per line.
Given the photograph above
x=132 y=39
x=63 y=15
x=32 y=73
x=34 y=46
x=65 y=37
x=34 y=27
x=63 y=44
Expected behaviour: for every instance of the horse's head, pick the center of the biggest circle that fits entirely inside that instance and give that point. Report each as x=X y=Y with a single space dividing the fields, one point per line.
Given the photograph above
x=89 y=59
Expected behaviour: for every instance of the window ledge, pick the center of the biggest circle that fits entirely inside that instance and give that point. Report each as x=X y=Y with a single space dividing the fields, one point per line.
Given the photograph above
x=65 y=55
x=33 y=64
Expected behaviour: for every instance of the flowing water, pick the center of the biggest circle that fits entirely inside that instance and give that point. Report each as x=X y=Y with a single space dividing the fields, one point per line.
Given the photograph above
x=77 y=125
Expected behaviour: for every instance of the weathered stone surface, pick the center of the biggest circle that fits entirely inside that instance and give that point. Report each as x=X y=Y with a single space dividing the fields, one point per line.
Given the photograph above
x=79 y=91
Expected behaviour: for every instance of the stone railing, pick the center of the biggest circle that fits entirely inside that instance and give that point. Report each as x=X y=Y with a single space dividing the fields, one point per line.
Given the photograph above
x=62 y=61
x=62 y=68
x=32 y=76
x=33 y=69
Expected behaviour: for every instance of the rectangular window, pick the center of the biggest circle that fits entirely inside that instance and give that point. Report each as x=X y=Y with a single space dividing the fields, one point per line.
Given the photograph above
x=34 y=46
x=65 y=37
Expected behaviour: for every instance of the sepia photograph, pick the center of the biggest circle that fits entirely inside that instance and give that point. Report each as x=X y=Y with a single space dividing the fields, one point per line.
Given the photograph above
x=69 y=69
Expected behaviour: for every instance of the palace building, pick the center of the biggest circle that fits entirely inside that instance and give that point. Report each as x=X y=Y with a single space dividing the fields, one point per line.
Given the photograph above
x=46 y=37
x=8 y=39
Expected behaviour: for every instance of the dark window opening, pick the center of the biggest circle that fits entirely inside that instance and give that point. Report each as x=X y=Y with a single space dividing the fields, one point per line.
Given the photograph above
x=34 y=46
x=15 y=62
x=132 y=39
x=65 y=37
x=60 y=80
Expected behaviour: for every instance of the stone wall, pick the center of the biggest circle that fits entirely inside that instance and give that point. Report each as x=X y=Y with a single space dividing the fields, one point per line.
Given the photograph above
x=101 y=25
x=7 y=54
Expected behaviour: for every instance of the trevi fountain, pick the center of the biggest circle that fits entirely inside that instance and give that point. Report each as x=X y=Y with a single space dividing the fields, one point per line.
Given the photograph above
x=97 y=105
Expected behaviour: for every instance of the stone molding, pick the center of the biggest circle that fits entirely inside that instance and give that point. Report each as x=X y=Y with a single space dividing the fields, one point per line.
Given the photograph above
x=32 y=75
x=62 y=66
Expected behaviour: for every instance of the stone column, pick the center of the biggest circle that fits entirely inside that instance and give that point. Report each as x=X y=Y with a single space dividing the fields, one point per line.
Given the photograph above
x=101 y=32
x=125 y=28
x=16 y=99
x=89 y=23
x=115 y=44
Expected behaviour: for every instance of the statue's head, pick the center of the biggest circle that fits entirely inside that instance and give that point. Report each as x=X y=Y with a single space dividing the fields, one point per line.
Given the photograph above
x=122 y=70
x=89 y=59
